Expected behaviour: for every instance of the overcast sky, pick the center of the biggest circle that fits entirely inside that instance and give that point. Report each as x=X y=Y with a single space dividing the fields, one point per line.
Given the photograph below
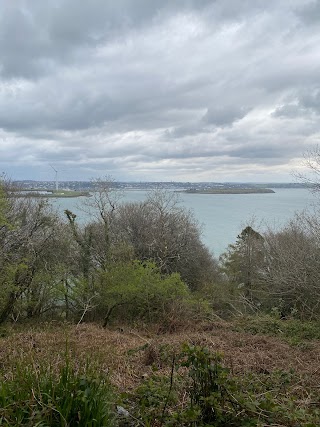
x=183 y=90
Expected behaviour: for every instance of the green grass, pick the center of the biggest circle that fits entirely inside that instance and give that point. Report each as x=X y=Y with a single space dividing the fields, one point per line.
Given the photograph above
x=33 y=395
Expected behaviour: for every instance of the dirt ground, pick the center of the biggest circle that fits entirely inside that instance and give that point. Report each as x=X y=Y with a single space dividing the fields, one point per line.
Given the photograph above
x=130 y=355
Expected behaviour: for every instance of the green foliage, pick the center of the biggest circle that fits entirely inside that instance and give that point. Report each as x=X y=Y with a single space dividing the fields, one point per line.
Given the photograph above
x=212 y=390
x=259 y=325
x=137 y=290
x=294 y=330
x=27 y=258
x=275 y=397
x=210 y=394
x=40 y=396
x=152 y=396
x=243 y=260
x=214 y=397
x=3 y=208
x=221 y=297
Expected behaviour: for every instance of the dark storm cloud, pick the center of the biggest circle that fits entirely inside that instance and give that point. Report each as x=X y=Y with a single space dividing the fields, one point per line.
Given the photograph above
x=181 y=86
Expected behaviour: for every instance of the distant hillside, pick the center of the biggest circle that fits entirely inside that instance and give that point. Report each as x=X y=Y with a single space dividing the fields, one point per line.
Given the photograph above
x=144 y=185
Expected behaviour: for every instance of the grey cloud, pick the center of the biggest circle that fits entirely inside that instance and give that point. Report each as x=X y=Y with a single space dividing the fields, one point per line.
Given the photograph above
x=36 y=38
x=311 y=101
x=275 y=152
x=306 y=104
x=288 y=110
x=224 y=115
x=216 y=116
x=166 y=86
x=193 y=128
x=309 y=13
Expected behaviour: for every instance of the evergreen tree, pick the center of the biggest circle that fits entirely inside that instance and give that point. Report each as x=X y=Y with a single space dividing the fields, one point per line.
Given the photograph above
x=244 y=259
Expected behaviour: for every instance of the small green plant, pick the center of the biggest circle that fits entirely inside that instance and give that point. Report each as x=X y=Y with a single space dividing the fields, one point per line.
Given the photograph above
x=153 y=396
x=212 y=390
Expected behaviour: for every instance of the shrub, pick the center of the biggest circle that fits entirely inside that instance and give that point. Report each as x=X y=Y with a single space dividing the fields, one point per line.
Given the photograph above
x=137 y=291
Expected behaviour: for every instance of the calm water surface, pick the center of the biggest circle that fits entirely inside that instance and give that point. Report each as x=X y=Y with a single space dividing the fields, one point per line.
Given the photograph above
x=223 y=216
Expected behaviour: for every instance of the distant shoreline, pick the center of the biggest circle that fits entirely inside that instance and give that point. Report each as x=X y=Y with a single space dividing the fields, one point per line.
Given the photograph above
x=48 y=194
x=230 y=191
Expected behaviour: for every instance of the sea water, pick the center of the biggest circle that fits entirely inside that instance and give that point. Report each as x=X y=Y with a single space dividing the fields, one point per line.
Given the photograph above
x=222 y=216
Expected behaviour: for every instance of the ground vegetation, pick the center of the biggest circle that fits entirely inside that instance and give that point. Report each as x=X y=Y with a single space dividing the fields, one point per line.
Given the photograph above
x=133 y=318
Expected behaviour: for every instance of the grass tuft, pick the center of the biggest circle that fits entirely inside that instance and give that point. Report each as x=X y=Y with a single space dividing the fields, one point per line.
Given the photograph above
x=40 y=395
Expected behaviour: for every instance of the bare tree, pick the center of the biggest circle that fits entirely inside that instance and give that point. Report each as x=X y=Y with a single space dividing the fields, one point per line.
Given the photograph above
x=290 y=280
x=312 y=163
x=101 y=207
x=160 y=229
